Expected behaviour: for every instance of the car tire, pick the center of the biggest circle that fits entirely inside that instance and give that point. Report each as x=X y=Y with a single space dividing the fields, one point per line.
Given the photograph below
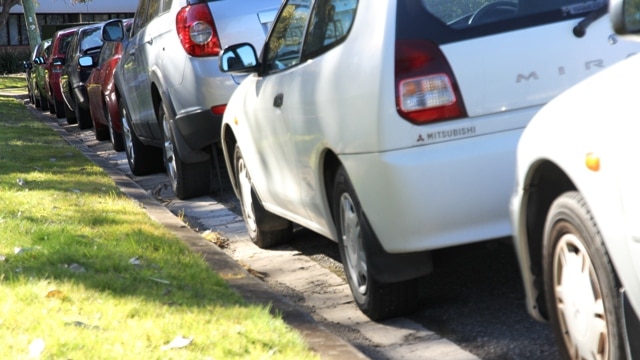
x=102 y=131
x=35 y=100
x=44 y=103
x=116 y=137
x=187 y=179
x=142 y=159
x=581 y=287
x=265 y=229
x=377 y=300
x=83 y=117
x=60 y=112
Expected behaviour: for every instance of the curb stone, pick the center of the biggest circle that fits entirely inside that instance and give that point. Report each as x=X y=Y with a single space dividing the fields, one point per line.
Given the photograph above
x=318 y=338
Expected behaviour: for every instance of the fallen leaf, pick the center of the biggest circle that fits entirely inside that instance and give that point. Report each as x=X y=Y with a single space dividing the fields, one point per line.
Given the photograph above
x=76 y=268
x=160 y=280
x=21 y=182
x=36 y=348
x=57 y=294
x=135 y=261
x=178 y=342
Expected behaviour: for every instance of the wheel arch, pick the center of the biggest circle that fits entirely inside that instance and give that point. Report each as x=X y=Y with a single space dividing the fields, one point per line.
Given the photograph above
x=229 y=142
x=544 y=183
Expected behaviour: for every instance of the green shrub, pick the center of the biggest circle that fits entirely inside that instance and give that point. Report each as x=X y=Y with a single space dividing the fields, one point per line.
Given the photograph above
x=11 y=60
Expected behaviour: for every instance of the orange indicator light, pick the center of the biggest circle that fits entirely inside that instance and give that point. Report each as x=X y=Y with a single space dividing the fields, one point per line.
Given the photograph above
x=593 y=162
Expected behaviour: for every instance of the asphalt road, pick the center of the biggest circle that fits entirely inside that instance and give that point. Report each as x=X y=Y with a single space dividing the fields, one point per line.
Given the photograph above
x=473 y=303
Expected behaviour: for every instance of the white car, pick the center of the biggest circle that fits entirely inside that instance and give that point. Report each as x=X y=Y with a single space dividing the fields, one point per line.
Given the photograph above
x=390 y=126
x=576 y=211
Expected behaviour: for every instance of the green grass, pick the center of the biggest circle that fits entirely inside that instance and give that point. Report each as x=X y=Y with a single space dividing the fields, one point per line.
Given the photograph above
x=86 y=274
x=13 y=82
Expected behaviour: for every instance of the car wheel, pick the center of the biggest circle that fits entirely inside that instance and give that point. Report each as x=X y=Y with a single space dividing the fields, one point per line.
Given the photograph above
x=375 y=299
x=187 y=179
x=582 y=291
x=52 y=106
x=115 y=137
x=265 y=229
x=59 y=106
x=83 y=117
x=35 y=100
x=44 y=103
x=143 y=159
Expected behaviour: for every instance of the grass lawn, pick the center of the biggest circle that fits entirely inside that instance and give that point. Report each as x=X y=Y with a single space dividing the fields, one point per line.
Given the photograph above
x=86 y=274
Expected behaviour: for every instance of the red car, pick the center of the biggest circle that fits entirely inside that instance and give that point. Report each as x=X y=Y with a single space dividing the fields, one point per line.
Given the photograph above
x=53 y=69
x=103 y=104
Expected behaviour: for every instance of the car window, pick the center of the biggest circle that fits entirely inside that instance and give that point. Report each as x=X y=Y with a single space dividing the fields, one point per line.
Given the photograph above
x=91 y=39
x=330 y=23
x=460 y=14
x=64 y=43
x=284 y=46
x=70 y=48
x=108 y=50
x=141 y=17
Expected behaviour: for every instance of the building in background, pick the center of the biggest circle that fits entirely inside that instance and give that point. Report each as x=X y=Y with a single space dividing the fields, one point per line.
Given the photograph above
x=57 y=12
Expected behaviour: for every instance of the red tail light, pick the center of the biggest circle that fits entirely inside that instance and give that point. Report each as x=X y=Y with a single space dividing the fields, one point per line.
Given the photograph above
x=426 y=90
x=197 y=31
x=218 y=109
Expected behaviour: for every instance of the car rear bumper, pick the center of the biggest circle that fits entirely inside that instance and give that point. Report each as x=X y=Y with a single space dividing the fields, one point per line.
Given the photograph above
x=439 y=195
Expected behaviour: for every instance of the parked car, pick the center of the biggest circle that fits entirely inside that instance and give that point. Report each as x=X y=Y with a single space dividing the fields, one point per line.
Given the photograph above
x=171 y=93
x=35 y=75
x=576 y=207
x=391 y=126
x=80 y=58
x=103 y=104
x=53 y=69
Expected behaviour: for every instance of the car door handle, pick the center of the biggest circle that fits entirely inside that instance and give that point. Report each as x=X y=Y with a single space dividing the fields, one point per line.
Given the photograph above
x=149 y=42
x=277 y=101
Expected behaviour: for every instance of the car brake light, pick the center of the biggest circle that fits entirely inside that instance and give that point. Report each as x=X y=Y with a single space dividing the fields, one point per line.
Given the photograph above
x=426 y=90
x=197 y=31
x=218 y=109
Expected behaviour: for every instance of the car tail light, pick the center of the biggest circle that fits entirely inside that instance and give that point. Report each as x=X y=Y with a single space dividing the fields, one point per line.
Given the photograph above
x=426 y=90
x=218 y=109
x=197 y=31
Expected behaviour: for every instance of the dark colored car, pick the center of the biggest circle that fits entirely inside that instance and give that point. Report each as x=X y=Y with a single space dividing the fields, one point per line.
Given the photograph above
x=53 y=69
x=103 y=104
x=82 y=54
x=34 y=70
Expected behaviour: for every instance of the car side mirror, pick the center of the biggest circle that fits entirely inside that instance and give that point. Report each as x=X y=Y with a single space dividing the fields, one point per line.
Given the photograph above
x=38 y=60
x=85 y=61
x=27 y=65
x=240 y=58
x=625 y=16
x=113 y=30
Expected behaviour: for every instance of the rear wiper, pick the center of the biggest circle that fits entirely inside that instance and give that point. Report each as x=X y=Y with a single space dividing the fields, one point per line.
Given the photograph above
x=581 y=28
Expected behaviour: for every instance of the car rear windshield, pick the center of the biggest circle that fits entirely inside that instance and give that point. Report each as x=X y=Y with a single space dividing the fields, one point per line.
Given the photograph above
x=453 y=20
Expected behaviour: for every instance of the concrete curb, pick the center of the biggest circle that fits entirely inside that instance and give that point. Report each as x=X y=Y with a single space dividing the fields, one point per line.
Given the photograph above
x=319 y=339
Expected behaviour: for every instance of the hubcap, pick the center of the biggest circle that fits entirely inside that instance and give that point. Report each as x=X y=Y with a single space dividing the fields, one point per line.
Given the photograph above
x=169 y=155
x=245 y=194
x=107 y=117
x=579 y=301
x=128 y=138
x=356 y=262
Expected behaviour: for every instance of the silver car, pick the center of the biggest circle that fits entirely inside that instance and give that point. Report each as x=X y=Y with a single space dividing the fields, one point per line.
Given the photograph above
x=170 y=91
